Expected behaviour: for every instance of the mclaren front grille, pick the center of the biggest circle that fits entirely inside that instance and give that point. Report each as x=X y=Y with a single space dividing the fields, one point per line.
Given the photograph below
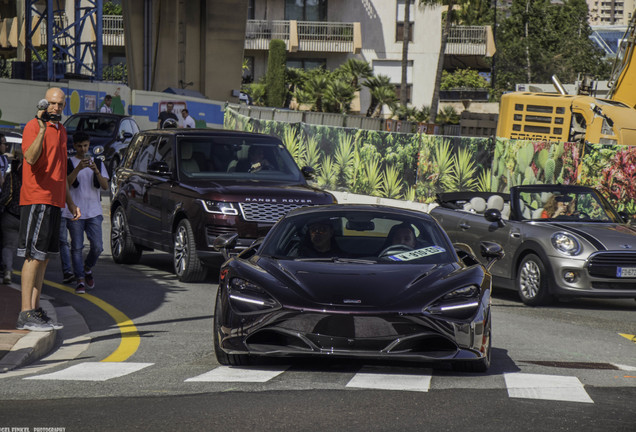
x=266 y=212
x=604 y=264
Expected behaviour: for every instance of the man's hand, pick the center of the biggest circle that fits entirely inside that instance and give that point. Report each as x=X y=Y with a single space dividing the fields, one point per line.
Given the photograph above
x=75 y=211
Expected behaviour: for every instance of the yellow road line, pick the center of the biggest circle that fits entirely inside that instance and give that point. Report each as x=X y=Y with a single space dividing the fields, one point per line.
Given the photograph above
x=130 y=339
x=628 y=336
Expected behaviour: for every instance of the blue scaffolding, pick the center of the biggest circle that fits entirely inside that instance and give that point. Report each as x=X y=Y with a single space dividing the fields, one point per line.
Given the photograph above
x=62 y=56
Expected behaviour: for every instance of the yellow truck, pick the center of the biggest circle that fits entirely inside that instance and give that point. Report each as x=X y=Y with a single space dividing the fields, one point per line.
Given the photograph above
x=575 y=118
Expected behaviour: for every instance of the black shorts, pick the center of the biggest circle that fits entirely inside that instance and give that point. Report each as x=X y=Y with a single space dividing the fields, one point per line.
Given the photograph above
x=39 y=231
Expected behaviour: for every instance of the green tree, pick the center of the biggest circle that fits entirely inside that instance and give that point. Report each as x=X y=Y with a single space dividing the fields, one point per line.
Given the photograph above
x=382 y=93
x=546 y=39
x=275 y=77
x=355 y=70
x=111 y=8
x=462 y=78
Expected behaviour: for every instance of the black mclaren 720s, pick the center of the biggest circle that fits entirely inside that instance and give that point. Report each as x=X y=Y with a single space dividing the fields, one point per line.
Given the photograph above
x=357 y=281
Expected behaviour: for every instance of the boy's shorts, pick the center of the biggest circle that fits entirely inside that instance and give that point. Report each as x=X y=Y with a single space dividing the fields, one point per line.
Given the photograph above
x=39 y=231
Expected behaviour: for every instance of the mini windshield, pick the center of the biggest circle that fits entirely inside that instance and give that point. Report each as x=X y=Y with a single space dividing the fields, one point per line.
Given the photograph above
x=252 y=158
x=93 y=125
x=565 y=204
x=358 y=236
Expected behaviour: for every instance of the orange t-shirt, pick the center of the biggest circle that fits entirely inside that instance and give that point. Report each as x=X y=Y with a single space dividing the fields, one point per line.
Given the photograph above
x=44 y=182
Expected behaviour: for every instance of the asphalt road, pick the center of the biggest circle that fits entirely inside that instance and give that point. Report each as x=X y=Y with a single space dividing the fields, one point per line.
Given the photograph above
x=570 y=366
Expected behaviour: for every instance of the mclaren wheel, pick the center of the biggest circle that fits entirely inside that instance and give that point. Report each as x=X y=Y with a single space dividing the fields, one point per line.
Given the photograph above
x=187 y=265
x=123 y=249
x=532 y=281
x=222 y=357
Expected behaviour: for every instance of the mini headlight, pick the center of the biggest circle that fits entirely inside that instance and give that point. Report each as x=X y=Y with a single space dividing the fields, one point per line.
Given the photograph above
x=219 y=207
x=566 y=243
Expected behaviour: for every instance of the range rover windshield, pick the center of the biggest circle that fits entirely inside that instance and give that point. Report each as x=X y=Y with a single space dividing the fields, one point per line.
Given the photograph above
x=235 y=158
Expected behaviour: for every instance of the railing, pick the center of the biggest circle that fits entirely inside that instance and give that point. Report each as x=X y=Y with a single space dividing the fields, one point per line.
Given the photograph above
x=113 y=30
x=467 y=40
x=325 y=36
x=310 y=36
x=259 y=33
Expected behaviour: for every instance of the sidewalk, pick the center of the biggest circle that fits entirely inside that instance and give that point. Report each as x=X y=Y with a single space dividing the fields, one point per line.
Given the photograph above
x=20 y=347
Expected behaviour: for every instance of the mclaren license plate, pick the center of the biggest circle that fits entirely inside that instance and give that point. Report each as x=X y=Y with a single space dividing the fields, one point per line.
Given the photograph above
x=626 y=272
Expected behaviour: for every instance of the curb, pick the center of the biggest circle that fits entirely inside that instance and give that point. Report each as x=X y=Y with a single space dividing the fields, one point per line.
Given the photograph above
x=32 y=346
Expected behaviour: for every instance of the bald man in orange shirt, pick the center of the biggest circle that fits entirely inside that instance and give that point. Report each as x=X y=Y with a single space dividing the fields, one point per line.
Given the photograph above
x=43 y=194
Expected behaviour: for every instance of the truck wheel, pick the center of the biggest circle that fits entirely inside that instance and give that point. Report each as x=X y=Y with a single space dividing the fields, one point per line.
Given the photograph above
x=533 y=281
x=187 y=265
x=123 y=249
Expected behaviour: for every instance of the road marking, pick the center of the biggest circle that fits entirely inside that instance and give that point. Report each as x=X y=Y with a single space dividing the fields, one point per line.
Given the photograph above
x=98 y=371
x=129 y=341
x=549 y=387
x=237 y=374
x=420 y=383
x=628 y=336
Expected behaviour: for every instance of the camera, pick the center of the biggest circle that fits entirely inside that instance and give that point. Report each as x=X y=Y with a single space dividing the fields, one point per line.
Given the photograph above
x=46 y=116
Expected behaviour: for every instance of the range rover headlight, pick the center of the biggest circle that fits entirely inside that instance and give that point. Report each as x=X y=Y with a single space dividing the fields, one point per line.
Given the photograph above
x=460 y=303
x=247 y=297
x=566 y=243
x=219 y=207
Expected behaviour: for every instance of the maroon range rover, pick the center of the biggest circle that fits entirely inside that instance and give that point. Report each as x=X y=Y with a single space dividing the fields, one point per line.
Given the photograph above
x=178 y=189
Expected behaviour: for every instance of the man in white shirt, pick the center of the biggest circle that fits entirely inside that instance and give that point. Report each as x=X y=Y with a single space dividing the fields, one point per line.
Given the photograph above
x=188 y=121
x=108 y=99
x=86 y=179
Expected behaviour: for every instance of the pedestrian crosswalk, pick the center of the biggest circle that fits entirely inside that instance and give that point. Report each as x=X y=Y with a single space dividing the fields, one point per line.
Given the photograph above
x=518 y=385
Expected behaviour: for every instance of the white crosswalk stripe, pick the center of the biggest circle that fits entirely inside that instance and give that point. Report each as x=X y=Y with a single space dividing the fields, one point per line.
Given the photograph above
x=238 y=374
x=549 y=387
x=101 y=371
x=518 y=385
x=403 y=382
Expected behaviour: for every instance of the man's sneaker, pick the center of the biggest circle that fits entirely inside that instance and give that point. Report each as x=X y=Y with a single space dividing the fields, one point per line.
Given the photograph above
x=80 y=289
x=30 y=320
x=6 y=279
x=68 y=278
x=90 y=282
x=56 y=326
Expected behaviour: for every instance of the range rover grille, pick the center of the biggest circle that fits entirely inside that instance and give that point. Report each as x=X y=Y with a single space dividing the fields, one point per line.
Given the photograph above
x=604 y=264
x=266 y=212
x=215 y=231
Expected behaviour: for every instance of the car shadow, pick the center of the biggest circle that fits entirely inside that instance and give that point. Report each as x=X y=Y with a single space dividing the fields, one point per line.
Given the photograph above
x=510 y=299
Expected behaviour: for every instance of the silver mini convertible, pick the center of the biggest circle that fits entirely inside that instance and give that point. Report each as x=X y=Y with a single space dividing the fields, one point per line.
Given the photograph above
x=559 y=241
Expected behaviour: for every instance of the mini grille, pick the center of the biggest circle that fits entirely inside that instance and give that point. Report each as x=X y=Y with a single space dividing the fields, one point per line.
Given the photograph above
x=604 y=264
x=266 y=212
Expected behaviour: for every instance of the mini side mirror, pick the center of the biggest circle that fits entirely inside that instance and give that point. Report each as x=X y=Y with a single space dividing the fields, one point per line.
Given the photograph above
x=494 y=215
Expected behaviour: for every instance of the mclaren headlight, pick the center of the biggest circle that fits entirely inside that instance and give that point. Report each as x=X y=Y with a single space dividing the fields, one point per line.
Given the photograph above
x=461 y=303
x=219 y=207
x=247 y=297
x=566 y=243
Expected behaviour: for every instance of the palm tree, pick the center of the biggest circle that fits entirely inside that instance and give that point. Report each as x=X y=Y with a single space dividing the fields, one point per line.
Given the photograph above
x=316 y=85
x=355 y=70
x=338 y=96
x=380 y=87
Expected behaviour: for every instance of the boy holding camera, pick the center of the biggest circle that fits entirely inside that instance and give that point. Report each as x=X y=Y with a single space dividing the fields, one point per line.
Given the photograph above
x=86 y=178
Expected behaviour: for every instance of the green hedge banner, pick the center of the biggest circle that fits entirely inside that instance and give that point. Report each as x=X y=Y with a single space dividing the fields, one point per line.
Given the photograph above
x=416 y=167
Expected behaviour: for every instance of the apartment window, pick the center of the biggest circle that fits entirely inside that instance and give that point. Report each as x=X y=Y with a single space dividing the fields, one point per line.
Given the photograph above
x=399 y=21
x=409 y=91
x=306 y=10
x=306 y=64
x=250 y=9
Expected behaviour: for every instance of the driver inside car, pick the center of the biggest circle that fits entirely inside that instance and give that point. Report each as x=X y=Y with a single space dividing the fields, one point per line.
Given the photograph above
x=321 y=242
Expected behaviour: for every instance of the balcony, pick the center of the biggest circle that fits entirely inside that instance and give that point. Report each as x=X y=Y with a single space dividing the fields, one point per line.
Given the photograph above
x=304 y=36
x=470 y=41
x=113 y=30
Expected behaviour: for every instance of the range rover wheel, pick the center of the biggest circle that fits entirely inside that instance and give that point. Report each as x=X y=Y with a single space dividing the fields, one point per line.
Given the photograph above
x=222 y=357
x=187 y=265
x=123 y=249
x=532 y=281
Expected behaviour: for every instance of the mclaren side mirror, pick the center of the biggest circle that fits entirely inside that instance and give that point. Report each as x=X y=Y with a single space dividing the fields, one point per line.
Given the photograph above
x=493 y=252
x=224 y=243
